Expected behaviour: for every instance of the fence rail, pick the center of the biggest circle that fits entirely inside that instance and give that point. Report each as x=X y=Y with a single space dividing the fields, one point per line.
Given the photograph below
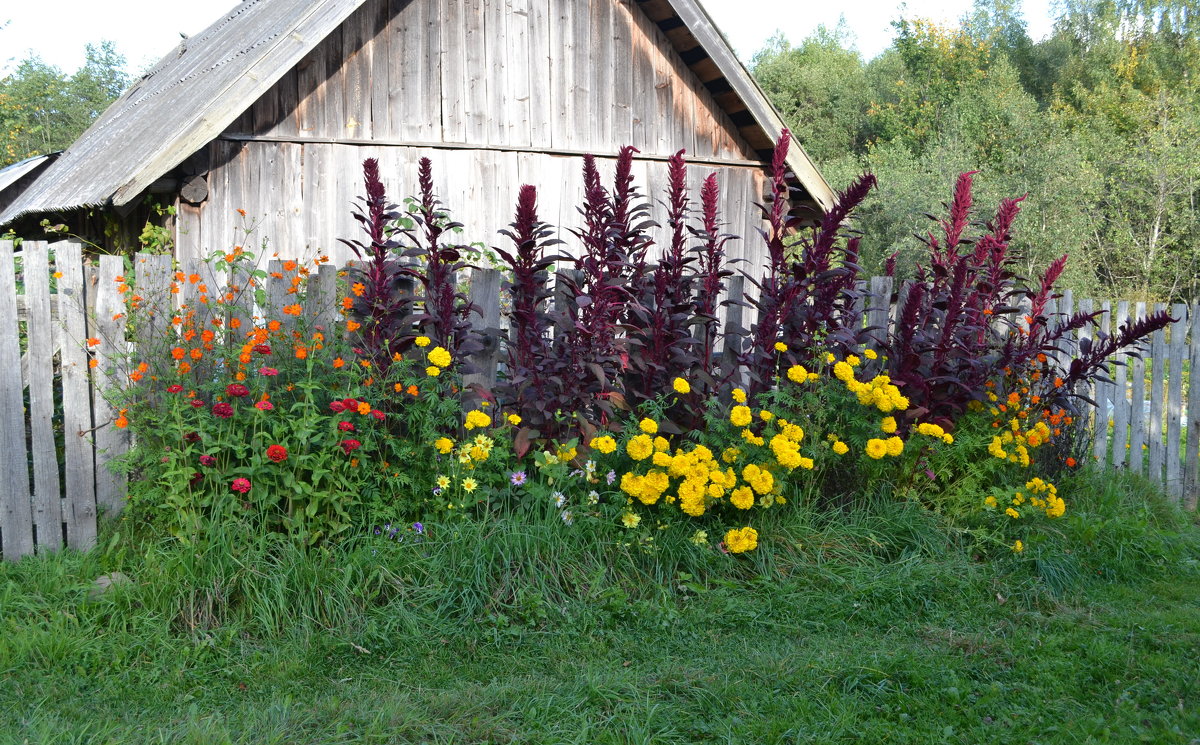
x=53 y=475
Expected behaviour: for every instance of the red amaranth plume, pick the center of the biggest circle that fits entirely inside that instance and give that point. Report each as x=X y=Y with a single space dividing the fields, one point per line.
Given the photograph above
x=526 y=216
x=710 y=197
x=1049 y=277
x=376 y=202
x=677 y=204
x=960 y=210
x=779 y=187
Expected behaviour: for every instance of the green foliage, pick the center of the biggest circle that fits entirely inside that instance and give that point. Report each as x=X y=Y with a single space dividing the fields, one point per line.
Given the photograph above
x=42 y=110
x=1106 y=101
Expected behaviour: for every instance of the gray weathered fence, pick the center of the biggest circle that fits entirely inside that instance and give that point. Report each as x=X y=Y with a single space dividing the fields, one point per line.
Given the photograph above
x=53 y=475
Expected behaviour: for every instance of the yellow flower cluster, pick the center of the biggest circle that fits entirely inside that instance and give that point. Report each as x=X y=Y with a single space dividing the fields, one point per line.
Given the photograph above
x=444 y=445
x=649 y=426
x=740 y=416
x=604 y=444
x=879 y=393
x=935 y=430
x=797 y=374
x=741 y=540
x=477 y=419
x=888 y=425
x=475 y=451
x=1046 y=498
x=681 y=386
x=877 y=448
x=787 y=449
x=439 y=356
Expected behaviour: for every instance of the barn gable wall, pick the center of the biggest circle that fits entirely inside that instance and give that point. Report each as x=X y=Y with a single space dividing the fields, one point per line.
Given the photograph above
x=496 y=93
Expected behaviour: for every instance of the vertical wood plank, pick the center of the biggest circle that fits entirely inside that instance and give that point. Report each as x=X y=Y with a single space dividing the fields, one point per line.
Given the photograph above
x=77 y=401
x=1178 y=332
x=47 y=500
x=453 y=71
x=623 y=73
x=582 y=116
x=879 y=309
x=485 y=294
x=111 y=442
x=356 y=74
x=1100 y=441
x=733 y=331
x=377 y=14
x=16 y=511
x=1120 y=397
x=1191 y=460
x=1158 y=374
x=1137 y=404
x=602 y=61
x=478 y=111
x=539 y=76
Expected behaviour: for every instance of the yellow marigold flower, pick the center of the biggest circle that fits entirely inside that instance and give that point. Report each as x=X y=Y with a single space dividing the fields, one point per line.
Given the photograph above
x=870 y=354
x=739 y=395
x=740 y=541
x=888 y=424
x=780 y=346
x=853 y=361
x=681 y=386
x=433 y=371
x=662 y=460
x=895 y=446
x=814 y=377
x=649 y=426
x=740 y=416
x=730 y=455
x=1012 y=513
x=566 y=455
x=765 y=415
x=797 y=374
x=840 y=447
x=661 y=445
x=477 y=419
x=640 y=447
x=444 y=445
x=742 y=498
x=807 y=464
x=515 y=419
x=440 y=357
x=876 y=448
x=604 y=443
x=843 y=372
x=422 y=341
x=948 y=438
x=829 y=358
x=630 y=520
x=990 y=501
x=1018 y=547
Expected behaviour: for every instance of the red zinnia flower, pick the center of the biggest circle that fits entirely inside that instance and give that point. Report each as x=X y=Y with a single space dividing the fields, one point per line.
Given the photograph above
x=377 y=414
x=242 y=485
x=346 y=426
x=222 y=410
x=351 y=404
x=262 y=348
x=337 y=407
x=267 y=371
x=208 y=460
x=349 y=446
x=175 y=388
x=277 y=453
x=237 y=390
x=197 y=403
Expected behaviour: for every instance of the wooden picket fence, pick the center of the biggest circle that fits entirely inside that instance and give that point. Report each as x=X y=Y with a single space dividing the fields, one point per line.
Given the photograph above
x=54 y=479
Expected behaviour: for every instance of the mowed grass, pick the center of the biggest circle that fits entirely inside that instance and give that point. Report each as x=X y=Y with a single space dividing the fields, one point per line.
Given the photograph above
x=879 y=625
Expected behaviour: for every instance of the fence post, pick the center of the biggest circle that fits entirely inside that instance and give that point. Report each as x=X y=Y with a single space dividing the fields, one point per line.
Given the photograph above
x=485 y=294
x=879 y=309
x=1137 y=403
x=1100 y=443
x=733 y=330
x=39 y=330
x=1120 y=396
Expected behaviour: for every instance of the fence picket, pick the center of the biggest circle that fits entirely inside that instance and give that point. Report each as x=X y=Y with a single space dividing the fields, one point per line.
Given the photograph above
x=47 y=504
x=1175 y=399
x=79 y=454
x=1137 y=406
x=485 y=294
x=1120 y=396
x=1158 y=373
x=111 y=441
x=1191 y=464
x=16 y=513
x=1100 y=422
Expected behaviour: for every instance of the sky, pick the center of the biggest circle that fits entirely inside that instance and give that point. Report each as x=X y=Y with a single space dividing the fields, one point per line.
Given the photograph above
x=144 y=30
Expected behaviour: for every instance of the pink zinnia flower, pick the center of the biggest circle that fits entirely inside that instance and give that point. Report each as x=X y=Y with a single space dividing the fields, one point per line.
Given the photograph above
x=197 y=403
x=264 y=406
x=240 y=485
x=267 y=371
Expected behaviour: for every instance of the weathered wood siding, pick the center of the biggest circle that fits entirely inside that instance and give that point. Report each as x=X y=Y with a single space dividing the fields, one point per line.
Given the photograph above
x=497 y=93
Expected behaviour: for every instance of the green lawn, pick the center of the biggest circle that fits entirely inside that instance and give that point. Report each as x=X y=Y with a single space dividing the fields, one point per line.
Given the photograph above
x=871 y=627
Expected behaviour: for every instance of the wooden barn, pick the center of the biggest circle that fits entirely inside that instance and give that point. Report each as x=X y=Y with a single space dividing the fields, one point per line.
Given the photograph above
x=272 y=109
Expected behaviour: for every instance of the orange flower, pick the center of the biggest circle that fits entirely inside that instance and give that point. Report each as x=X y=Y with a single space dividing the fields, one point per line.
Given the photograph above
x=93 y=363
x=412 y=390
x=121 y=422
x=241 y=212
x=184 y=368
x=230 y=258
x=1041 y=357
x=244 y=359
x=118 y=316
x=178 y=353
x=235 y=323
x=301 y=353
x=207 y=335
x=339 y=362
x=93 y=342
x=289 y=266
x=274 y=325
x=397 y=357
x=365 y=363
x=135 y=376
x=398 y=387
x=57 y=275
x=358 y=288
x=369 y=381
x=364 y=408
x=291 y=310
x=353 y=326
x=1070 y=462
x=196 y=354
x=240 y=376
x=202 y=288
x=193 y=278
x=1058 y=383
x=179 y=276
x=347 y=302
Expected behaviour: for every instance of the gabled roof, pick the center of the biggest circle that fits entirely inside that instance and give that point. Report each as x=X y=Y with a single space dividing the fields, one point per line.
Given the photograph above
x=193 y=94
